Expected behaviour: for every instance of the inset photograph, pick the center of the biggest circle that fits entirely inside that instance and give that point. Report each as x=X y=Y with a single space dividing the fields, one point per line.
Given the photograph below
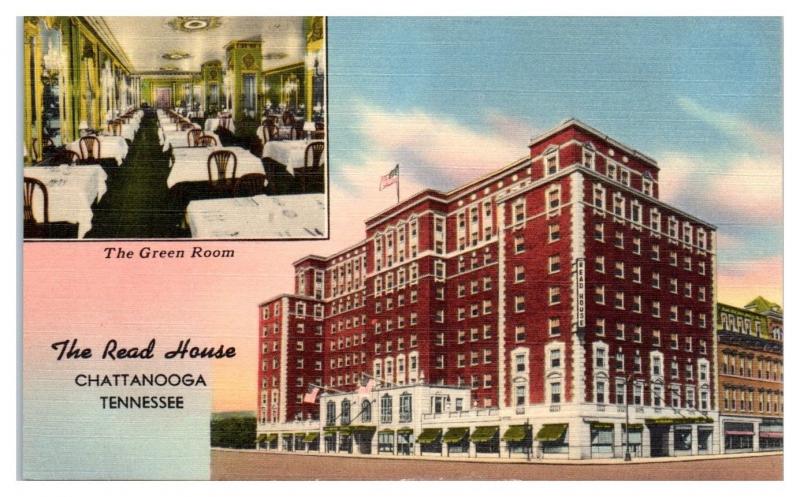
x=175 y=127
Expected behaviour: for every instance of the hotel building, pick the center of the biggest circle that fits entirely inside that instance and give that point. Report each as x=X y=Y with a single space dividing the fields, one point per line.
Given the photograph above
x=554 y=308
x=750 y=358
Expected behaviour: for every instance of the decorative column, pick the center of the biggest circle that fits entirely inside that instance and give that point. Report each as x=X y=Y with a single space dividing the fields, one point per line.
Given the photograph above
x=243 y=63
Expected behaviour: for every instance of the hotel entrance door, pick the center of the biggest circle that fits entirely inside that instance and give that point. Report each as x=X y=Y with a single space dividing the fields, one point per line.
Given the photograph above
x=164 y=98
x=659 y=441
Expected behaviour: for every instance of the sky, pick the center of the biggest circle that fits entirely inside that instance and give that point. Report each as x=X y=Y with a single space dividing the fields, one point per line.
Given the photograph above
x=450 y=99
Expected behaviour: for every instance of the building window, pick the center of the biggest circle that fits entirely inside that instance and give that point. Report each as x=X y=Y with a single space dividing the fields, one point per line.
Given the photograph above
x=555 y=358
x=405 y=408
x=519 y=333
x=519 y=244
x=555 y=295
x=386 y=408
x=555 y=392
x=519 y=303
x=600 y=392
x=551 y=161
x=600 y=264
x=554 y=197
x=519 y=274
x=554 y=263
x=366 y=411
x=599 y=232
x=330 y=413
x=554 y=232
x=345 y=417
x=554 y=325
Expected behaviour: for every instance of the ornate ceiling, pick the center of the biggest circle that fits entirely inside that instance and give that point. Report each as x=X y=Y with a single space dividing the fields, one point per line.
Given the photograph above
x=185 y=42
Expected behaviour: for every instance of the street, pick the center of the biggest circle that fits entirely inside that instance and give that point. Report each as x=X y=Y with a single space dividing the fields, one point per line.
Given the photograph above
x=248 y=465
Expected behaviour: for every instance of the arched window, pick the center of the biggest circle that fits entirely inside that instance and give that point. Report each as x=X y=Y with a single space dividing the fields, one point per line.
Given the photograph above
x=366 y=411
x=345 y=412
x=330 y=412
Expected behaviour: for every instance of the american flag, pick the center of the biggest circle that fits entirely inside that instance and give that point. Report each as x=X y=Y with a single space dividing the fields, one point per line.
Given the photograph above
x=311 y=397
x=391 y=178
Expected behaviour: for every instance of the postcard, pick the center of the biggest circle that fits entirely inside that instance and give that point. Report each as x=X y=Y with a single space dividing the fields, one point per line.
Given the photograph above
x=303 y=248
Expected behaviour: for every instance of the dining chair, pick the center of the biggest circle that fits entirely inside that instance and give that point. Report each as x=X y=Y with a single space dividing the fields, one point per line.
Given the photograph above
x=225 y=122
x=221 y=159
x=69 y=157
x=193 y=135
x=45 y=229
x=250 y=185
x=115 y=127
x=206 y=141
x=313 y=170
x=87 y=146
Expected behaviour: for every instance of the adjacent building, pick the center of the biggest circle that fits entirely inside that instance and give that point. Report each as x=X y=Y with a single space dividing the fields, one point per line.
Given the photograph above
x=750 y=358
x=555 y=308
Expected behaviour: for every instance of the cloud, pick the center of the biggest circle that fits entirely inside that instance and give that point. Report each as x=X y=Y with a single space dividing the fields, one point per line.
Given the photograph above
x=734 y=126
x=437 y=150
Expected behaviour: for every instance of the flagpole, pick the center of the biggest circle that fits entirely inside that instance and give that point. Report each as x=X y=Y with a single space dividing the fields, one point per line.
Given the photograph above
x=398 y=183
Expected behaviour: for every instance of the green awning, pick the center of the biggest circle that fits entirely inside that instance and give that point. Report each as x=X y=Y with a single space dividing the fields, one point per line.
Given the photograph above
x=405 y=430
x=596 y=425
x=429 y=435
x=484 y=433
x=551 y=433
x=261 y=438
x=331 y=429
x=387 y=430
x=516 y=433
x=363 y=429
x=346 y=430
x=301 y=434
x=455 y=435
x=311 y=436
x=634 y=426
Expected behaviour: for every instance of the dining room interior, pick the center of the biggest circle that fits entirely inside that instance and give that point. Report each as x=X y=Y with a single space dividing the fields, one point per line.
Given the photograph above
x=174 y=127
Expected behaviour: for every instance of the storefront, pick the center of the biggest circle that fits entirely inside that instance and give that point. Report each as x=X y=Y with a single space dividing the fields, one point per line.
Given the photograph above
x=738 y=437
x=633 y=439
x=456 y=440
x=770 y=435
x=311 y=441
x=486 y=439
x=553 y=439
x=430 y=441
x=518 y=439
x=405 y=444
x=602 y=439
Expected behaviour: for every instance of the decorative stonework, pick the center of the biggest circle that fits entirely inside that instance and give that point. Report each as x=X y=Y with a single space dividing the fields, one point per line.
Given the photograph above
x=248 y=61
x=191 y=24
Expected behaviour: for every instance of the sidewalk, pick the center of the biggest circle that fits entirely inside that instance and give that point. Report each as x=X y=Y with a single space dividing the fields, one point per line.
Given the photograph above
x=519 y=460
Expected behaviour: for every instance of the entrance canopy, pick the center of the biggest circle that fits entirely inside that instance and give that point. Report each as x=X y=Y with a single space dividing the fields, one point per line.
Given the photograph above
x=551 y=433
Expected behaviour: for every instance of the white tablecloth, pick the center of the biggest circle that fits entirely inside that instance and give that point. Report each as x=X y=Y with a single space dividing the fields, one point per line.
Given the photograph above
x=290 y=153
x=191 y=164
x=285 y=216
x=111 y=147
x=179 y=138
x=213 y=122
x=71 y=190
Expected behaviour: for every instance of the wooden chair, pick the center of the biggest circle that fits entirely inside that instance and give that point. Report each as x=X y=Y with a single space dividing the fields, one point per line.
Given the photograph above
x=221 y=181
x=193 y=135
x=312 y=170
x=65 y=156
x=288 y=118
x=87 y=146
x=206 y=141
x=34 y=229
x=115 y=127
x=250 y=185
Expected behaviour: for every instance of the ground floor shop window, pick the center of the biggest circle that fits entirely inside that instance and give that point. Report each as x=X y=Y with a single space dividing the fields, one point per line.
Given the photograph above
x=330 y=443
x=602 y=436
x=770 y=443
x=457 y=440
x=704 y=439
x=345 y=443
x=404 y=444
x=739 y=436
x=682 y=438
x=553 y=439
x=386 y=441
x=634 y=441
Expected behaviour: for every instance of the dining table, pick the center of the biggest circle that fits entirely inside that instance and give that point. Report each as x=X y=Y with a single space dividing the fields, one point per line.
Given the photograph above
x=71 y=191
x=190 y=164
x=212 y=123
x=259 y=217
x=111 y=147
x=290 y=153
x=169 y=137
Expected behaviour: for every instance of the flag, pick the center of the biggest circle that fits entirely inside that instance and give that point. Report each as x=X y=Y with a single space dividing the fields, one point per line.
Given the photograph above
x=311 y=397
x=390 y=179
x=365 y=389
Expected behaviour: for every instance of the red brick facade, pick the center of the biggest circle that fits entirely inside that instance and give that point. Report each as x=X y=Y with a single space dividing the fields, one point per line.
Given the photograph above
x=476 y=287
